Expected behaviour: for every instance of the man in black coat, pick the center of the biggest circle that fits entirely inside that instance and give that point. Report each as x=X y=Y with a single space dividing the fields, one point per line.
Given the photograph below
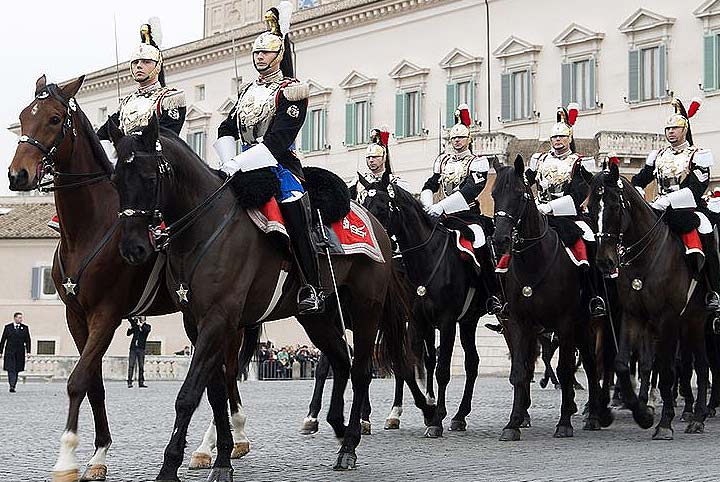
x=14 y=342
x=139 y=330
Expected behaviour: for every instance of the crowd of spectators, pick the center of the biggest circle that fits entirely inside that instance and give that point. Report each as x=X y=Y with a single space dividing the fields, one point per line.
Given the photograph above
x=278 y=362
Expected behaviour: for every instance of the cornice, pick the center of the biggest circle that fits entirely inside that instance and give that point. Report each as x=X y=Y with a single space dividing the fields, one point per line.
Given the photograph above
x=307 y=24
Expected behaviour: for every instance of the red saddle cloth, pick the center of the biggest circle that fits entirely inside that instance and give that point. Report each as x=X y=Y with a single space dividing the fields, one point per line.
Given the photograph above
x=354 y=231
x=577 y=254
x=465 y=246
x=692 y=243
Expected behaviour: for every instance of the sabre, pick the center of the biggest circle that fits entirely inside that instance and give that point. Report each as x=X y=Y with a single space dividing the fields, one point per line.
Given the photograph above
x=440 y=127
x=334 y=282
x=237 y=76
x=117 y=60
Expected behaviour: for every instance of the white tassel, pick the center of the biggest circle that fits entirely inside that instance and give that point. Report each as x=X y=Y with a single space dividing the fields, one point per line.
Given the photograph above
x=285 y=10
x=155 y=30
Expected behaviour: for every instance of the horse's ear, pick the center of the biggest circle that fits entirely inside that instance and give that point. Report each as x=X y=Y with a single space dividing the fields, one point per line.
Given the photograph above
x=114 y=131
x=71 y=88
x=40 y=83
x=614 y=172
x=519 y=166
x=385 y=180
x=364 y=182
x=496 y=164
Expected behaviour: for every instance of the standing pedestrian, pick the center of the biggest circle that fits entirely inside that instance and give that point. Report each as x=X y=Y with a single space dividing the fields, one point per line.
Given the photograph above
x=15 y=342
x=139 y=330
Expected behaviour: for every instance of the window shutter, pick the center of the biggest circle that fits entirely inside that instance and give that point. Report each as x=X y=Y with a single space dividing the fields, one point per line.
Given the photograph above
x=662 y=71
x=451 y=99
x=400 y=115
x=528 y=95
x=350 y=124
x=709 y=66
x=323 y=132
x=36 y=289
x=505 y=96
x=566 y=82
x=472 y=100
x=420 y=114
x=591 y=104
x=634 y=76
x=305 y=134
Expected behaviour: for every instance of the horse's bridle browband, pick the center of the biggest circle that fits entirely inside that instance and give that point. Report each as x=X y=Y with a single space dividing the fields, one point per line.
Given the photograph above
x=516 y=239
x=47 y=163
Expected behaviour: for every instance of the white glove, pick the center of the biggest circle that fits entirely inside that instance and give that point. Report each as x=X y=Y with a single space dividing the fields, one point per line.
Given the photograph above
x=641 y=191
x=436 y=210
x=226 y=148
x=661 y=203
x=109 y=149
x=426 y=198
x=545 y=208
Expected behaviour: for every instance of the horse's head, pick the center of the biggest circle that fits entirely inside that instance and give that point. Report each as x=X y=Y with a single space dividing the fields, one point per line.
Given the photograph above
x=47 y=129
x=137 y=177
x=378 y=198
x=512 y=197
x=608 y=204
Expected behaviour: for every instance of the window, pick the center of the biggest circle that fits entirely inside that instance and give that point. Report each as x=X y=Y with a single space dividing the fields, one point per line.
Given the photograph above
x=711 y=67
x=196 y=141
x=313 y=131
x=578 y=83
x=357 y=123
x=46 y=347
x=408 y=114
x=43 y=286
x=516 y=95
x=647 y=74
x=200 y=92
x=102 y=115
x=153 y=348
x=459 y=93
x=303 y=4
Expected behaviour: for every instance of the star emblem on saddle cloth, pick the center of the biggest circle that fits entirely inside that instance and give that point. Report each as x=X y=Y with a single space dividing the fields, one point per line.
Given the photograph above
x=69 y=286
x=182 y=294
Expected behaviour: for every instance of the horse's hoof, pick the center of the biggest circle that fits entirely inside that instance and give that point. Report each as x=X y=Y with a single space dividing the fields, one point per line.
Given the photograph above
x=221 y=474
x=346 y=460
x=711 y=412
x=558 y=386
x=510 y=435
x=695 y=427
x=309 y=427
x=365 y=427
x=526 y=423
x=240 y=449
x=431 y=401
x=563 y=431
x=392 y=424
x=200 y=460
x=458 y=425
x=543 y=382
x=606 y=418
x=71 y=475
x=643 y=417
x=686 y=417
x=663 y=433
x=592 y=423
x=94 y=472
x=433 y=431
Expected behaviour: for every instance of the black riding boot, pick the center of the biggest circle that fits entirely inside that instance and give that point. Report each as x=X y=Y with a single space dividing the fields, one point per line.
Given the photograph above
x=712 y=272
x=593 y=281
x=495 y=304
x=297 y=215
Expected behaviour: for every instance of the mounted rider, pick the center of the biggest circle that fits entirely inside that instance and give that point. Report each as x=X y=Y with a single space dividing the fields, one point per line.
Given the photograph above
x=377 y=158
x=681 y=171
x=459 y=176
x=562 y=183
x=267 y=117
x=151 y=97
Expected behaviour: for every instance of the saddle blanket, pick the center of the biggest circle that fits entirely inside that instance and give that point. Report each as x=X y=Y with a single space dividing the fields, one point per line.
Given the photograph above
x=577 y=254
x=692 y=243
x=466 y=248
x=351 y=235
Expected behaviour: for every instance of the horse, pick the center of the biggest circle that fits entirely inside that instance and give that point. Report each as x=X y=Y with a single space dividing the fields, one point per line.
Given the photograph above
x=96 y=285
x=660 y=296
x=535 y=301
x=160 y=177
x=449 y=290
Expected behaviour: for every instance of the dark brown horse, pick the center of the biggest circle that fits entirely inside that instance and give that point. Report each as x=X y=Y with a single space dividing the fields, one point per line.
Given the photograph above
x=97 y=287
x=658 y=291
x=544 y=291
x=227 y=274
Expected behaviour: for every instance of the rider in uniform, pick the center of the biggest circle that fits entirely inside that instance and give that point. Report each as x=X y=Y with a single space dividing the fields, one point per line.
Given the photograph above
x=460 y=176
x=377 y=158
x=681 y=171
x=562 y=187
x=267 y=117
x=151 y=97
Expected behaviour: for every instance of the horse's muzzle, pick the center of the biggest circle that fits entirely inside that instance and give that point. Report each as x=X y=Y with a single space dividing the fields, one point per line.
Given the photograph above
x=19 y=181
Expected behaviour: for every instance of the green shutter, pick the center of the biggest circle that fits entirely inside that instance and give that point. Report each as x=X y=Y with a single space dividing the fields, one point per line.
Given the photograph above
x=305 y=134
x=634 y=76
x=472 y=100
x=311 y=132
x=591 y=80
x=350 y=124
x=566 y=83
x=400 y=115
x=505 y=97
x=710 y=81
x=662 y=71
x=451 y=104
x=528 y=97
x=35 y=288
x=420 y=114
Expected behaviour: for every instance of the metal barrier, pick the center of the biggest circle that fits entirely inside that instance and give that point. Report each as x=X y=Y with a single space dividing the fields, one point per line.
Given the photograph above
x=274 y=370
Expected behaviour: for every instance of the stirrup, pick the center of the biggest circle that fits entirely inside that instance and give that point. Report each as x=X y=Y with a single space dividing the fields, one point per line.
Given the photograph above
x=494 y=306
x=310 y=301
x=716 y=325
x=712 y=301
x=496 y=328
x=597 y=307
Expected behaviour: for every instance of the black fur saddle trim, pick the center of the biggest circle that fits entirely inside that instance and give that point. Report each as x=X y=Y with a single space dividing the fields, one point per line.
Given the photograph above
x=566 y=228
x=253 y=189
x=681 y=221
x=328 y=192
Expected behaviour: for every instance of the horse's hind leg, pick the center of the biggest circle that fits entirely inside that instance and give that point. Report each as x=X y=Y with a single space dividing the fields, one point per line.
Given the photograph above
x=665 y=360
x=599 y=415
x=566 y=371
x=392 y=421
x=96 y=467
x=447 y=340
x=365 y=425
x=697 y=344
x=322 y=370
x=430 y=363
x=472 y=362
x=714 y=358
x=684 y=379
x=641 y=414
x=217 y=397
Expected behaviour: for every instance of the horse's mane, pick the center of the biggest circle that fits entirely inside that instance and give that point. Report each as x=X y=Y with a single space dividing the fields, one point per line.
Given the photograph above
x=408 y=199
x=97 y=150
x=170 y=135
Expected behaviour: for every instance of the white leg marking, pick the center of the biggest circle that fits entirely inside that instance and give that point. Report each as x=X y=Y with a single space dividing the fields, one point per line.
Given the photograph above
x=238 y=420
x=66 y=459
x=209 y=441
x=395 y=413
x=99 y=457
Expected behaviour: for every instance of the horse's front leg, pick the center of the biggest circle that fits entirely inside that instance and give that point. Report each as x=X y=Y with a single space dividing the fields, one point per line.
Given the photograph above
x=392 y=422
x=697 y=345
x=217 y=397
x=665 y=360
x=642 y=416
x=472 y=363
x=520 y=343
x=447 y=340
x=322 y=371
x=566 y=372
x=97 y=466
x=599 y=415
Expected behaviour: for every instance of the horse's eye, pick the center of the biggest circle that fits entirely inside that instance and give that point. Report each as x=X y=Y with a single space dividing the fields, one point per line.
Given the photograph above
x=55 y=120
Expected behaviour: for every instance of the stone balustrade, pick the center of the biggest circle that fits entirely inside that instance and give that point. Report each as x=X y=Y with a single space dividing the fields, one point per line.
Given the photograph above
x=166 y=367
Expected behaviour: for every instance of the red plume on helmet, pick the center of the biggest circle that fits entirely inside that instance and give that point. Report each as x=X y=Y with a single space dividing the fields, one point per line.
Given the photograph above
x=384 y=135
x=693 y=107
x=462 y=115
x=613 y=158
x=572 y=113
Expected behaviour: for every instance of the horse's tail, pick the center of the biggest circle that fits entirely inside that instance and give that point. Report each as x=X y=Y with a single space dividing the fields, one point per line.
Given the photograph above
x=249 y=347
x=393 y=353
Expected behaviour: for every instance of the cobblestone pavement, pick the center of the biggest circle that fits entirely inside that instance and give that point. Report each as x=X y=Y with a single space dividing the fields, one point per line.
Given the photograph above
x=31 y=422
